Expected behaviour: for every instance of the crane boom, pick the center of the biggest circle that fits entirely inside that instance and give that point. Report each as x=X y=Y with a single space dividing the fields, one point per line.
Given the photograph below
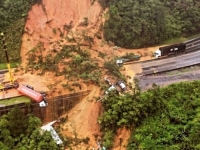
x=7 y=58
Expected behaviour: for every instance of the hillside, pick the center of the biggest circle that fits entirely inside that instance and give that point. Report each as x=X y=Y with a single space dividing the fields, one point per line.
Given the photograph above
x=64 y=51
x=53 y=25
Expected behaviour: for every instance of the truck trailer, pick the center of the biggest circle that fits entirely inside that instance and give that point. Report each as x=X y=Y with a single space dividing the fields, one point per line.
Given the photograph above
x=170 y=50
x=34 y=95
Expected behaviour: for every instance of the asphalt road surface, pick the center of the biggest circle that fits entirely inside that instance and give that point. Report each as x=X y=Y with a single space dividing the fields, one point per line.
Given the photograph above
x=161 y=65
x=145 y=82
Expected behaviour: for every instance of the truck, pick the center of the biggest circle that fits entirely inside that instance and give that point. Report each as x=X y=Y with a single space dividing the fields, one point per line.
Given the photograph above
x=34 y=95
x=25 y=90
x=170 y=50
x=127 y=58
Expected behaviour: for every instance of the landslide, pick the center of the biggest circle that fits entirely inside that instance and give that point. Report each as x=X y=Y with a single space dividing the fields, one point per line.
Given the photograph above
x=63 y=44
x=63 y=51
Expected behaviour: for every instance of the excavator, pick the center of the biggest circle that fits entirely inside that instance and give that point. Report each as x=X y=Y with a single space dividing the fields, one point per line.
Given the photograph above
x=38 y=97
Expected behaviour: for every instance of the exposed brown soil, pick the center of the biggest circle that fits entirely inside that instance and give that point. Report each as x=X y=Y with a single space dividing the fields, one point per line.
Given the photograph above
x=40 y=26
x=44 y=24
x=121 y=140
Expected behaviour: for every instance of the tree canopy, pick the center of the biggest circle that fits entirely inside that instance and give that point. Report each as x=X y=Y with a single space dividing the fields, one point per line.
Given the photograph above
x=137 y=23
x=161 y=118
x=174 y=126
x=22 y=132
x=13 y=14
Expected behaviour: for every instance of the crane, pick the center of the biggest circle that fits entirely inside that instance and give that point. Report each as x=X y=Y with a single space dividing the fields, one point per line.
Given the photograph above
x=12 y=82
x=24 y=90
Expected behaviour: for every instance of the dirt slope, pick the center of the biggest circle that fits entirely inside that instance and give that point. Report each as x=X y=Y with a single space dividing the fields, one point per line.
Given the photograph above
x=82 y=121
x=45 y=25
x=52 y=15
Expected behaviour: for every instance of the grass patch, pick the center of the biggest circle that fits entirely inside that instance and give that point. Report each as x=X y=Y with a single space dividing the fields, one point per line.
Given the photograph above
x=4 y=65
x=175 y=40
x=15 y=100
x=179 y=40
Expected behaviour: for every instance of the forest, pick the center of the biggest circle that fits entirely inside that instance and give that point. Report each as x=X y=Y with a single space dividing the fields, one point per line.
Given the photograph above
x=142 y=23
x=161 y=118
x=22 y=132
x=13 y=14
x=129 y=23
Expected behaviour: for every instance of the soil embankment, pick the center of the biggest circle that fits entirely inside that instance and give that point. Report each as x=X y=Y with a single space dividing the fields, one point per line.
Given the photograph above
x=45 y=24
x=46 y=21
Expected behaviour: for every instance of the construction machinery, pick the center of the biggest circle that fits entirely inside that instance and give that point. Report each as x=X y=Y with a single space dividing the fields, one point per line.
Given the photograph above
x=5 y=85
x=26 y=90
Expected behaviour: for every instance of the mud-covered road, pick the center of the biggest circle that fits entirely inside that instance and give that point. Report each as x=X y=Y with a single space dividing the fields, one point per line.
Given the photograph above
x=145 y=82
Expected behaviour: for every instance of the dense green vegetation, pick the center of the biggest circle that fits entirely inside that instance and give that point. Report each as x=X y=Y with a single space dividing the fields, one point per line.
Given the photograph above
x=76 y=63
x=133 y=23
x=13 y=15
x=15 y=100
x=137 y=23
x=161 y=118
x=22 y=132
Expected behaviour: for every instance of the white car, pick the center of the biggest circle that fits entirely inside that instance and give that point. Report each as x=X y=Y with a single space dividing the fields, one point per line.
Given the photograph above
x=111 y=88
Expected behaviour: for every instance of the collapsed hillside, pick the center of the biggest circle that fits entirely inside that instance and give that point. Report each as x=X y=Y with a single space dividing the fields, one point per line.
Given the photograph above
x=63 y=43
x=52 y=20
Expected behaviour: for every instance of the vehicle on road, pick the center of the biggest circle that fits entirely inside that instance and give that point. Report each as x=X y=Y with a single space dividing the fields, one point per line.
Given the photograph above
x=127 y=58
x=170 y=50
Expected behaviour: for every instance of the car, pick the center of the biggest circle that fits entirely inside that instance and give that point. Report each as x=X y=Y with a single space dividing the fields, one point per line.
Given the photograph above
x=122 y=85
x=111 y=88
x=107 y=80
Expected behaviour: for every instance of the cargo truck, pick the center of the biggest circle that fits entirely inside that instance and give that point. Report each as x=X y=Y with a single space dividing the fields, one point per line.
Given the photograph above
x=127 y=59
x=170 y=50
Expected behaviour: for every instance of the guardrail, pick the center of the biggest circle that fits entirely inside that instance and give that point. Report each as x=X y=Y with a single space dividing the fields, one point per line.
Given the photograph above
x=192 y=40
x=3 y=71
x=171 y=67
x=189 y=48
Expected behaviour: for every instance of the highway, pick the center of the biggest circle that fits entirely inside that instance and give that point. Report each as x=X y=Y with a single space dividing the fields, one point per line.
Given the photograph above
x=3 y=71
x=172 y=63
x=146 y=82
